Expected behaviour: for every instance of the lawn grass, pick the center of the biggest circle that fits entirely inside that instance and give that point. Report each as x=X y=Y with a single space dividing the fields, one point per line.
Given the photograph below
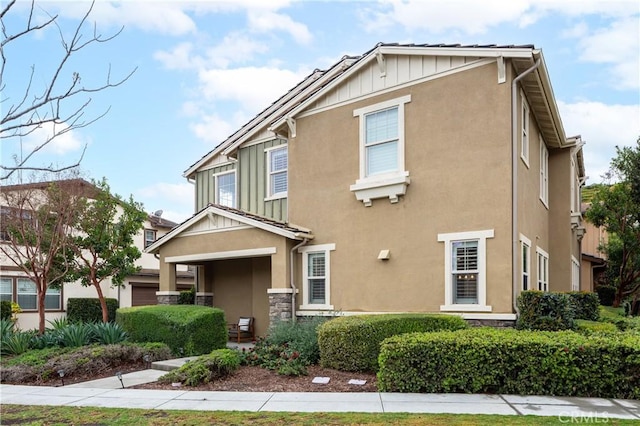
x=40 y=415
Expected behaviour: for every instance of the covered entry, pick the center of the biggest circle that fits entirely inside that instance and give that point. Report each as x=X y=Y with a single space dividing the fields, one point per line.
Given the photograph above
x=242 y=262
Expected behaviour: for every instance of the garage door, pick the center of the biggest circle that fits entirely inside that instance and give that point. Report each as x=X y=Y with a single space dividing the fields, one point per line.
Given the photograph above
x=142 y=295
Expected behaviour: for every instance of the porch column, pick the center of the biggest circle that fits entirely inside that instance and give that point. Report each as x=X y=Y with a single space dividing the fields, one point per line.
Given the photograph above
x=279 y=304
x=168 y=294
x=204 y=295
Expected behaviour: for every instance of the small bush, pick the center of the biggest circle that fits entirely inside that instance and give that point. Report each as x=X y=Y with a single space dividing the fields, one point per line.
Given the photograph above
x=84 y=310
x=5 y=310
x=506 y=361
x=586 y=305
x=205 y=369
x=353 y=343
x=187 y=329
x=6 y=328
x=607 y=294
x=595 y=327
x=50 y=339
x=108 y=333
x=187 y=297
x=17 y=343
x=545 y=311
x=75 y=335
x=58 y=323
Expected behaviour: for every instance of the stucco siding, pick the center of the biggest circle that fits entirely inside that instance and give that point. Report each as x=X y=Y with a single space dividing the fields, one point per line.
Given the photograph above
x=458 y=155
x=561 y=247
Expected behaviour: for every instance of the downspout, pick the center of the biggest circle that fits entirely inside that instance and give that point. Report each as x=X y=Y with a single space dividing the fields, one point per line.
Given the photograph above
x=514 y=182
x=292 y=275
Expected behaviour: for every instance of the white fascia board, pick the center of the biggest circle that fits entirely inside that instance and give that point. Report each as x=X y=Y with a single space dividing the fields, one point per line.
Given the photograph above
x=547 y=89
x=232 y=254
x=481 y=52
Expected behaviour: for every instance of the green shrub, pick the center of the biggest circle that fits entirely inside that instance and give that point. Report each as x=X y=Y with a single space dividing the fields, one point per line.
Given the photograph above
x=16 y=343
x=187 y=297
x=586 y=305
x=58 y=323
x=593 y=327
x=545 y=311
x=6 y=328
x=486 y=360
x=606 y=293
x=300 y=336
x=187 y=329
x=5 y=309
x=75 y=335
x=89 y=310
x=205 y=369
x=108 y=333
x=353 y=343
x=50 y=339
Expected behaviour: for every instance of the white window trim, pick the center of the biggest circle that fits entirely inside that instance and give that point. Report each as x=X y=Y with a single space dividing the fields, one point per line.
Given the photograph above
x=542 y=283
x=327 y=249
x=235 y=184
x=268 y=152
x=575 y=274
x=448 y=239
x=524 y=241
x=385 y=185
x=525 y=131
x=544 y=173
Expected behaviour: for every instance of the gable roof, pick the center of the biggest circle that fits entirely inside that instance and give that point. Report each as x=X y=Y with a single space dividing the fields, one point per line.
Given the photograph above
x=260 y=222
x=536 y=85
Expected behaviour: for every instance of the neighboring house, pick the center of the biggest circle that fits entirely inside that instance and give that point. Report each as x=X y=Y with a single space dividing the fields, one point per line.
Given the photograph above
x=594 y=261
x=139 y=289
x=412 y=178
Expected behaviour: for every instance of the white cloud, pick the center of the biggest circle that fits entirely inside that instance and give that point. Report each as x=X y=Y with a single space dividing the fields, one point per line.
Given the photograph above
x=68 y=141
x=174 y=199
x=618 y=45
x=213 y=128
x=253 y=87
x=603 y=127
x=265 y=21
x=178 y=58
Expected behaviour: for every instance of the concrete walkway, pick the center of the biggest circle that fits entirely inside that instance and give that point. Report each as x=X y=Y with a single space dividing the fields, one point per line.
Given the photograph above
x=111 y=394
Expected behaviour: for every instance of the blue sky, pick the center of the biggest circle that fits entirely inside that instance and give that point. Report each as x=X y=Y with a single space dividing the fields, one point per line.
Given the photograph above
x=204 y=68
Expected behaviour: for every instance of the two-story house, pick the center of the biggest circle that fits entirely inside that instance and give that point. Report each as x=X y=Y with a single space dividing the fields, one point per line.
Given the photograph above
x=412 y=178
x=138 y=289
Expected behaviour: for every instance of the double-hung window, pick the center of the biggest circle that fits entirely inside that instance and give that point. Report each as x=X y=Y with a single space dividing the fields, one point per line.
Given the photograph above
x=525 y=255
x=382 y=151
x=544 y=173
x=465 y=271
x=316 y=276
x=524 y=140
x=575 y=274
x=277 y=166
x=543 y=270
x=226 y=188
x=6 y=289
x=27 y=294
x=149 y=237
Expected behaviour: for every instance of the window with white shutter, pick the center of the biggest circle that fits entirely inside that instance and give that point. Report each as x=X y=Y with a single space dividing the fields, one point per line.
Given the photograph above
x=316 y=276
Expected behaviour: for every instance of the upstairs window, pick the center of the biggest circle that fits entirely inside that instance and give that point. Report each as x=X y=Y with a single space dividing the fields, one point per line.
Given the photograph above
x=544 y=173
x=149 y=237
x=543 y=270
x=277 y=165
x=225 y=184
x=524 y=148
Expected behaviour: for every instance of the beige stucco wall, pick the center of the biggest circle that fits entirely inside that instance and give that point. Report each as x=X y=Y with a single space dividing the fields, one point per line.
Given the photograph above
x=457 y=137
x=561 y=245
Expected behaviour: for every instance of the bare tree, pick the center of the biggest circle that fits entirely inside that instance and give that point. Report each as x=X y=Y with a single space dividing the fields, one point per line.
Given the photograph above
x=60 y=104
x=38 y=220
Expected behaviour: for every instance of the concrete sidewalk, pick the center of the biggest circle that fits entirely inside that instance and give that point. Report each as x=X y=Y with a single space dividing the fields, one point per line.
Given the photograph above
x=566 y=409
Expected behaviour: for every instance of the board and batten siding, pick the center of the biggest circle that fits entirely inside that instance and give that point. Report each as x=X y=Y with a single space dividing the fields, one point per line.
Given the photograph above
x=205 y=185
x=252 y=182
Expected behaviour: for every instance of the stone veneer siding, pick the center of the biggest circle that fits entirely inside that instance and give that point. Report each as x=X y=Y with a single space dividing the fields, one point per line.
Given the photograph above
x=168 y=299
x=279 y=307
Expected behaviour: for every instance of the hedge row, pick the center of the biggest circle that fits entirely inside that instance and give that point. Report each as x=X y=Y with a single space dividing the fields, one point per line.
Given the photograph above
x=556 y=311
x=88 y=309
x=507 y=361
x=353 y=343
x=187 y=329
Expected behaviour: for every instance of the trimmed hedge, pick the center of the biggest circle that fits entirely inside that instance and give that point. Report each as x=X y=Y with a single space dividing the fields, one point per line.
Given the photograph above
x=507 y=361
x=88 y=309
x=5 y=310
x=187 y=329
x=545 y=311
x=607 y=294
x=590 y=327
x=187 y=297
x=586 y=305
x=353 y=343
